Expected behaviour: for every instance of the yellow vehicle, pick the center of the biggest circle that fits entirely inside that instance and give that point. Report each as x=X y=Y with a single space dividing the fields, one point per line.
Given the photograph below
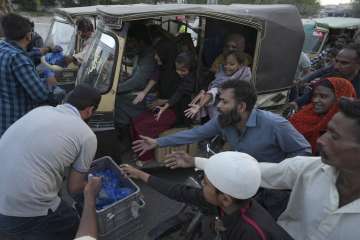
x=274 y=36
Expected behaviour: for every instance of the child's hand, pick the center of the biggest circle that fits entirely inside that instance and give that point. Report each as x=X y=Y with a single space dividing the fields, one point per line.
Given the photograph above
x=160 y=110
x=192 y=110
x=156 y=103
x=132 y=172
x=198 y=97
x=139 y=97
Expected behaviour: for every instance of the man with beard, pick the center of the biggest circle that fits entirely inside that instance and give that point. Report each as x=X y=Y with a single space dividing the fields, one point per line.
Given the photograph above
x=347 y=65
x=265 y=136
x=35 y=151
x=325 y=197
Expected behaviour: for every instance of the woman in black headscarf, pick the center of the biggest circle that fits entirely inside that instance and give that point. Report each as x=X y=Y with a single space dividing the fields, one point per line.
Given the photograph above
x=164 y=77
x=167 y=82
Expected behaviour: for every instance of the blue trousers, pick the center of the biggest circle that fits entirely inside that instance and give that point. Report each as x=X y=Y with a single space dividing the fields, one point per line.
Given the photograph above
x=61 y=224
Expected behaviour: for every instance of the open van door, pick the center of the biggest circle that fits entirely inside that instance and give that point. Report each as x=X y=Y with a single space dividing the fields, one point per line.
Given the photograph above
x=101 y=69
x=63 y=33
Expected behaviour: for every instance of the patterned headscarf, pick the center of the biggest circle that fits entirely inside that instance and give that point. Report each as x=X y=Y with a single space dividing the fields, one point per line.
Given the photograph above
x=313 y=125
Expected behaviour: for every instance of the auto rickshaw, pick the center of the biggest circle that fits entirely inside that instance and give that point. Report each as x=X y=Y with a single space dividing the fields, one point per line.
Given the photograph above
x=321 y=33
x=274 y=38
x=274 y=35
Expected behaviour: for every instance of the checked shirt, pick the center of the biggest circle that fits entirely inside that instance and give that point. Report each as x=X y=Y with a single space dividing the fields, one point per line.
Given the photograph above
x=21 y=88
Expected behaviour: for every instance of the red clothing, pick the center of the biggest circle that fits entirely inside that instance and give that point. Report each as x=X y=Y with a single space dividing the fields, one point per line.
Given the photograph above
x=146 y=125
x=312 y=125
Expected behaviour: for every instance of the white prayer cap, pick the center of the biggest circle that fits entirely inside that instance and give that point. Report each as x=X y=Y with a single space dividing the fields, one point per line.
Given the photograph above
x=234 y=173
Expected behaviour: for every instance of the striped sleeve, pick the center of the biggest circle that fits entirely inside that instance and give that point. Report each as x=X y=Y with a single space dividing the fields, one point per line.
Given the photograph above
x=25 y=73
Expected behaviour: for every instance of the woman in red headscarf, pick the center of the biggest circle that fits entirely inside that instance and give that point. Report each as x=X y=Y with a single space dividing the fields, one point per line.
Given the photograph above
x=311 y=121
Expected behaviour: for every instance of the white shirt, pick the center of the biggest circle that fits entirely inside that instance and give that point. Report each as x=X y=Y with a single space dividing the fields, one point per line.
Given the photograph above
x=80 y=56
x=35 y=151
x=312 y=212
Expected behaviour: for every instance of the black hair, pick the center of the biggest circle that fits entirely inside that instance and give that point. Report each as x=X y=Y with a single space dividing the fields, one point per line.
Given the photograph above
x=325 y=83
x=239 y=55
x=351 y=109
x=243 y=92
x=235 y=37
x=139 y=32
x=235 y=200
x=15 y=27
x=185 y=59
x=355 y=47
x=85 y=25
x=83 y=96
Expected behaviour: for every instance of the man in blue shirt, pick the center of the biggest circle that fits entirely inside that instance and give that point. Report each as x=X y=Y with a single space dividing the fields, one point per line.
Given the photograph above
x=266 y=136
x=21 y=89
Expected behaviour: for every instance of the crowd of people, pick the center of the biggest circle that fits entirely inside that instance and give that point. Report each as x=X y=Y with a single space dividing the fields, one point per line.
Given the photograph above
x=294 y=178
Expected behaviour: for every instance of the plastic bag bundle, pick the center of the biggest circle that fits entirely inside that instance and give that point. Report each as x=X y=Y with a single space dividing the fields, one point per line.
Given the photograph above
x=113 y=188
x=55 y=58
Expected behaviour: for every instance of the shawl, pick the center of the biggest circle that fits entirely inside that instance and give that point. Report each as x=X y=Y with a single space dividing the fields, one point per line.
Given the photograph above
x=312 y=125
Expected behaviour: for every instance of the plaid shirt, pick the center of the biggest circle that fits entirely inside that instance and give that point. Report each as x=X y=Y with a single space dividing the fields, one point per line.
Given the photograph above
x=21 y=88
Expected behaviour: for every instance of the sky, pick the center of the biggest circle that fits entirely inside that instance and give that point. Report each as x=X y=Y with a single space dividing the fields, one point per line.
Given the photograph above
x=326 y=2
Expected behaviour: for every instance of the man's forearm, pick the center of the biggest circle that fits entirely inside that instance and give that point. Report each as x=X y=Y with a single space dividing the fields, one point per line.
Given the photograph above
x=210 y=129
x=88 y=225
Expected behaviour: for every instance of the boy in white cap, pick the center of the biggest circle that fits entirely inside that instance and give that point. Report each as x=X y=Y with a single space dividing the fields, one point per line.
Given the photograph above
x=231 y=180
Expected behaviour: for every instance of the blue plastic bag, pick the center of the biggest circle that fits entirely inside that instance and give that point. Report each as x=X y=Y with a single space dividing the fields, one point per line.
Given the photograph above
x=55 y=58
x=113 y=188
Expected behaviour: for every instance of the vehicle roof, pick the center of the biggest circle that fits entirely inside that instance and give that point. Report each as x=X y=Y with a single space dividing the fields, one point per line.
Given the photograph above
x=75 y=11
x=278 y=13
x=280 y=24
x=338 y=22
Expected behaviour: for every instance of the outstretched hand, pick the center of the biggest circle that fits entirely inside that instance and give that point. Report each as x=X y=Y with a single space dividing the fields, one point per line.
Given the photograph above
x=179 y=160
x=192 y=110
x=160 y=111
x=133 y=172
x=139 y=97
x=144 y=144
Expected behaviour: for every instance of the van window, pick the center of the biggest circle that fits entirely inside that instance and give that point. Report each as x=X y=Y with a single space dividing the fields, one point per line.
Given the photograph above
x=98 y=65
x=62 y=33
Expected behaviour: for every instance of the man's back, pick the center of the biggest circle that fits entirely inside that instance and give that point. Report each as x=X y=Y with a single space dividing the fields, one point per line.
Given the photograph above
x=35 y=150
x=20 y=86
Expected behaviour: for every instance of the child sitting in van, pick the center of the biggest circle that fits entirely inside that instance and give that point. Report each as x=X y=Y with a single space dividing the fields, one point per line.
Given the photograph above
x=182 y=96
x=234 y=68
x=230 y=183
x=175 y=87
